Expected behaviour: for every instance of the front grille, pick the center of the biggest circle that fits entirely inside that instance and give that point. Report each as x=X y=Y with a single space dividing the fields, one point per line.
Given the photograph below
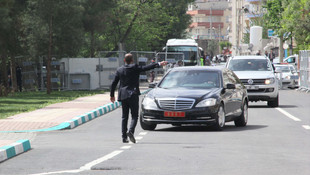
x=255 y=81
x=175 y=103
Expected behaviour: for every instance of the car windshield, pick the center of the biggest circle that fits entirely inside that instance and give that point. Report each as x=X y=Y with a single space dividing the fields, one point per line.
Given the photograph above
x=190 y=79
x=190 y=53
x=284 y=68
x=249 y=65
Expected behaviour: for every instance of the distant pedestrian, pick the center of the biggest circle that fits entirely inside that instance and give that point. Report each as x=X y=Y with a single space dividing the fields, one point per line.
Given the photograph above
x=271 y=56
x=19 y=78
x=128 y=93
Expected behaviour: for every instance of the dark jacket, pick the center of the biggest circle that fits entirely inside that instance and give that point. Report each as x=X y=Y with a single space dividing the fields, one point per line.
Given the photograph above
x=129 y=75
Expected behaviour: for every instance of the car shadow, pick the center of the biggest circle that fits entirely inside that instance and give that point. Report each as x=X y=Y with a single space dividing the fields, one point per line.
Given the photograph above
x=227 y=128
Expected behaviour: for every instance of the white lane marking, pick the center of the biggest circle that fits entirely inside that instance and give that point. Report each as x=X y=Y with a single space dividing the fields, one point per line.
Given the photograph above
x=60 y=172
x=142 y=133
x=102 y=159
x=125 y=147
x=95 y=162
x=288 y=115
x=139 y=138
x=306 y=126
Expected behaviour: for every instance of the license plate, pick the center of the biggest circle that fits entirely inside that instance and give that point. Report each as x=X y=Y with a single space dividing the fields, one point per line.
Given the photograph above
x=174 y=114
x=294 y=77
x=252 y=87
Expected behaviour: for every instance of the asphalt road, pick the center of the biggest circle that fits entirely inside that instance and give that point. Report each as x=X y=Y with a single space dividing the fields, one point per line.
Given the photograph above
x=275 y=141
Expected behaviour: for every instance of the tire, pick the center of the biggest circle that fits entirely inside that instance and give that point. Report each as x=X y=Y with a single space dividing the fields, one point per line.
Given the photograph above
x=274 y=102
x=220 y=119
x=145 y=126
x=243 y=118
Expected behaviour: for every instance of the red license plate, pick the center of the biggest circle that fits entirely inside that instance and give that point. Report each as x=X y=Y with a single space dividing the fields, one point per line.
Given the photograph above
x=174 y=114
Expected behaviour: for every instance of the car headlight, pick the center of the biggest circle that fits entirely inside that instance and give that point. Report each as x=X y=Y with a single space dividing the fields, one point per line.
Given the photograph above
x=149 y=103
x=207 y=102
x=270 y=81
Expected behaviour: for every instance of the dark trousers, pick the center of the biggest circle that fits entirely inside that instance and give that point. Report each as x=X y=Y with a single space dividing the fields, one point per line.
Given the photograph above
x=131 y=104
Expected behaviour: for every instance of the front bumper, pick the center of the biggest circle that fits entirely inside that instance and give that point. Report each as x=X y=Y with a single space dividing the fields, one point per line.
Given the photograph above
x=262 y=92
x=193 y=116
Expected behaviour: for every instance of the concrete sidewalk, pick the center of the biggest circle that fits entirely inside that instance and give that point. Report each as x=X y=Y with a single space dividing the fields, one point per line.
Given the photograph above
x=16 y=132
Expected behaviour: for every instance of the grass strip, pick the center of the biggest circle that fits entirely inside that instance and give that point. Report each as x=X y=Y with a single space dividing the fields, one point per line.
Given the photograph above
x=29 y=101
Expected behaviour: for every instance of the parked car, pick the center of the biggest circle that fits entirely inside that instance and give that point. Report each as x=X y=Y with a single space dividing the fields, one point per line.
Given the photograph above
x=195 y=95
x=257 y=74
x=293 y=60
x=287 y=75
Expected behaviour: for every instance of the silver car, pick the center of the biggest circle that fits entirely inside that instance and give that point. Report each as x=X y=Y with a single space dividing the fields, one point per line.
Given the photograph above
x=258 y=75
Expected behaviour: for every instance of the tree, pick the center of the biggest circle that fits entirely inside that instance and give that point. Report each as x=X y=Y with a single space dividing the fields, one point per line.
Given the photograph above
x=95 y=19
x=53 y=28
x=5 y=22
x=296 y=20
x=273 y=19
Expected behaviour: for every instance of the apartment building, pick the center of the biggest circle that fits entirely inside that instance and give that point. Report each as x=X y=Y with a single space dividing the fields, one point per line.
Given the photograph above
x=210 y=21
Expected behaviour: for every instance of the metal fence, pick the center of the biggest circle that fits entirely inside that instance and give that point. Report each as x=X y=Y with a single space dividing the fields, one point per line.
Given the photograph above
x=304 y=70
x=90 y=73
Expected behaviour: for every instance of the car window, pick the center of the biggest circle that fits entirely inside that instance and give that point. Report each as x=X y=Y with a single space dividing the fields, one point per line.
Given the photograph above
x=283 y=68
x=249 y=65
x=198 y=79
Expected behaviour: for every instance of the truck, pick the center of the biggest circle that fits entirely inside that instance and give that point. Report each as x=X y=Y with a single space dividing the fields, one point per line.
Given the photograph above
x=185 y=52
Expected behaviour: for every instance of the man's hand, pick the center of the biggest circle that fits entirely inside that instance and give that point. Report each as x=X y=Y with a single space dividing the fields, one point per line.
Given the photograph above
x=112 y=99
x=163 y=63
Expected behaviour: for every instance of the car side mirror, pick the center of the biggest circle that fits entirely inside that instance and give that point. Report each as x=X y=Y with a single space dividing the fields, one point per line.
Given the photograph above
x=230 y=86
x=152 y=85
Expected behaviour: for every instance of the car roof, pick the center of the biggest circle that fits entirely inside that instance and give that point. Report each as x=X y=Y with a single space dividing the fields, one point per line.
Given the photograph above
x=249 y=57
x=207 y=68
x=283 y=65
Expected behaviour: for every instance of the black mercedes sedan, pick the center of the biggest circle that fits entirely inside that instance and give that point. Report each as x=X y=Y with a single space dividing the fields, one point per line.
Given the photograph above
x=198 y=95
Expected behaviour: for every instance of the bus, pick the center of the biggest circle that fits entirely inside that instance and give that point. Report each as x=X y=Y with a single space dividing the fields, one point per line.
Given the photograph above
x=186 y=48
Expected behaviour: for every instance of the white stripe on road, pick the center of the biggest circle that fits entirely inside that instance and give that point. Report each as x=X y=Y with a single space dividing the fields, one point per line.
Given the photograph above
x=102 y=159
x=89 y=165
x=288 y=115
x=60 y=172
x=306 y=126
x=142 y=133
x=125 y=147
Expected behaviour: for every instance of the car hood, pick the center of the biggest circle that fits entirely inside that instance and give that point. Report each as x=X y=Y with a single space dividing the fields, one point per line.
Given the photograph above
x=254 y=74
x=183 y=93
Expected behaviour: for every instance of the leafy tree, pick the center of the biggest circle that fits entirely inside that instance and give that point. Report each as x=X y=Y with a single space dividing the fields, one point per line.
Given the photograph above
x=296 y=20
x=95 y=20
x=5 y=22
x=273 y=19
x=54 y=28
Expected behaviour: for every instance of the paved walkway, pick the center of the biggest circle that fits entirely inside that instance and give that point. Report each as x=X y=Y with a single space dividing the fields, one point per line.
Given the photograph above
x=22 y=128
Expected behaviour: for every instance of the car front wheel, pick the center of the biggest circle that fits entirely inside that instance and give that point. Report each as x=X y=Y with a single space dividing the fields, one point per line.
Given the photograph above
x=220 y=119
x=146 y=126
x=274 y=102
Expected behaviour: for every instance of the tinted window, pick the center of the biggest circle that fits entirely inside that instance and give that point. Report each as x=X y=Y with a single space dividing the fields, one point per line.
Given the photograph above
x=249 y=65
x=197 y=79
x=190 y=53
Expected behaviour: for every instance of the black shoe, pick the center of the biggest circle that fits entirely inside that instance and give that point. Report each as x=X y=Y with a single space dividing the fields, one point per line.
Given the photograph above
x=125 y=140
x=131 y=137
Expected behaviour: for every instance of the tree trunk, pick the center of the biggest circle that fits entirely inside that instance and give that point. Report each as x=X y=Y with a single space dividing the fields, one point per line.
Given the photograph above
x=13 y=73
x=281 y=54
x=4 y=76
x=49 y=58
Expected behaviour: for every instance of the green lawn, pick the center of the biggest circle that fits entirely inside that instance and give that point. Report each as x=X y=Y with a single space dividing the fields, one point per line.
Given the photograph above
x=29 y=101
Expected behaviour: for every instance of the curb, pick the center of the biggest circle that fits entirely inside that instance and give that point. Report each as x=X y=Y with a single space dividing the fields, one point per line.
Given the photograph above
x=21 y=146
x=79 y=120
x=7 y=152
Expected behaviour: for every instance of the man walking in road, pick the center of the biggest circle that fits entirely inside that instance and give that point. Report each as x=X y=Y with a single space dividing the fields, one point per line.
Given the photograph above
x=128 y=93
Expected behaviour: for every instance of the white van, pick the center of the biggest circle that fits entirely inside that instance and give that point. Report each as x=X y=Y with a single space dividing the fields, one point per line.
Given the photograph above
x=258 y=75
